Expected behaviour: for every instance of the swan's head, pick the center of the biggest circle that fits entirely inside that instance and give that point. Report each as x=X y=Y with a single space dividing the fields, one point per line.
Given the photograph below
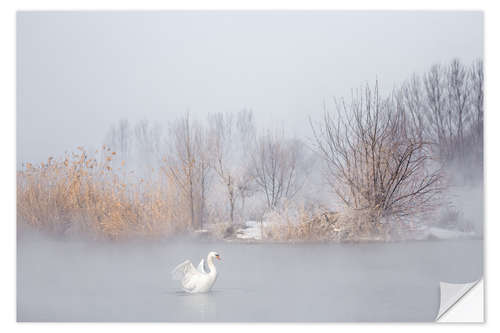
x=214 y=254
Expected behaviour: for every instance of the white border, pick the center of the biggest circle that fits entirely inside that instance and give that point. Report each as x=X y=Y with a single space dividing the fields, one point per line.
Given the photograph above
x=7 y=167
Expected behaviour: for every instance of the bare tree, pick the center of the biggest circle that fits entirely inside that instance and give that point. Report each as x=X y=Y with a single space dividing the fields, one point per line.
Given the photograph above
x=436 y=103
x=230 y=137
x=411 y=98
x=450 y=104
x=147 y=141
x=188 y=166
x=375 y=161
x=119 y=138
x=476 y=98
x=202 y=169
x=245 y=125
x=458 y=115
x=277 y=168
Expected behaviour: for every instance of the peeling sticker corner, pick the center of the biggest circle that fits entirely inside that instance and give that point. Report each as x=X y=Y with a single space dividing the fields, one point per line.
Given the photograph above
x=451 y=294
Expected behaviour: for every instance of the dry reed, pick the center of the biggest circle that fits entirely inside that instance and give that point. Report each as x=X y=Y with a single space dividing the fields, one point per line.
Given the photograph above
x=88 y=193
x=321 y=224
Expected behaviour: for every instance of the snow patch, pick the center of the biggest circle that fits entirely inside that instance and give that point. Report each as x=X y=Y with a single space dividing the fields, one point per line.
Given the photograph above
x=251 y=230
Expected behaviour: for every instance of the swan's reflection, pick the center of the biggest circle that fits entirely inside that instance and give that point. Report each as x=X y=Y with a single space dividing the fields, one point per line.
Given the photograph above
x=202 y=306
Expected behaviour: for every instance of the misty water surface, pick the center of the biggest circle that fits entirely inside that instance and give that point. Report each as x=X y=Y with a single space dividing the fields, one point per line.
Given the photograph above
x=87 y=281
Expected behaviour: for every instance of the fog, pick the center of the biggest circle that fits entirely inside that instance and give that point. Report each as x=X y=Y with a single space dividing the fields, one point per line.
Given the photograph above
x=87 y=281
x=97 y=243
x=80 y=72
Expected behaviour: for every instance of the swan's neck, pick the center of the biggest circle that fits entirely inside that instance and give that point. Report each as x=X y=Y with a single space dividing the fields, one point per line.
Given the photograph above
x=211 y=266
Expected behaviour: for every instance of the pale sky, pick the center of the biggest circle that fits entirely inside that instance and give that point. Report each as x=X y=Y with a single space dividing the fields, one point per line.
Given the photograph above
x=80 y=72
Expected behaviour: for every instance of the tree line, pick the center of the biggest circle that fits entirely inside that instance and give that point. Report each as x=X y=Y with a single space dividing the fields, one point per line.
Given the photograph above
x=389 y=155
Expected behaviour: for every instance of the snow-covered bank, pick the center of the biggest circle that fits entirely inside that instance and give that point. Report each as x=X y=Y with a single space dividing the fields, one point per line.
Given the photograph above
x=433 y=233
x=254 y=230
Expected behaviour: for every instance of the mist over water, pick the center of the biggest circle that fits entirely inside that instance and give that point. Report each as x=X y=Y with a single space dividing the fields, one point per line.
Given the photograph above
x=68 y=280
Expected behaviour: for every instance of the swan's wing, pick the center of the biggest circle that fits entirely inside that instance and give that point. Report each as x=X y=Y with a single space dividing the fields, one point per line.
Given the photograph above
x=186 y=269
x=201 y=266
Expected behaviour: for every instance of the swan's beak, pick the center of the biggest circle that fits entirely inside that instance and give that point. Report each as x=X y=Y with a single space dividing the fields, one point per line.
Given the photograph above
x=217 y=256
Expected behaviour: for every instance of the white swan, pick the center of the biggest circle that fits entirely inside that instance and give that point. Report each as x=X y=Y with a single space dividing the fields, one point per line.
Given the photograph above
x=197 y=280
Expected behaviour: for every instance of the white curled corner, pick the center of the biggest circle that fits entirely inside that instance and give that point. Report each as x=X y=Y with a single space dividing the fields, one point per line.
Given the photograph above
x=451 y=294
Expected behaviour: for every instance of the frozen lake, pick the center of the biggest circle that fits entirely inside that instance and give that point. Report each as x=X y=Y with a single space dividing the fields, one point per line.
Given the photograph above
x=86 y=281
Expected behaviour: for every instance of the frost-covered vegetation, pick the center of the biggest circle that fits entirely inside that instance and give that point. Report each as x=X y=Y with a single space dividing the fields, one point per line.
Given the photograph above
x=376 y=168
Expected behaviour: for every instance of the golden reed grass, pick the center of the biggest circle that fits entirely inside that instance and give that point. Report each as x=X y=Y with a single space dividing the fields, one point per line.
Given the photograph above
x=85 y=193
x=320 y=225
